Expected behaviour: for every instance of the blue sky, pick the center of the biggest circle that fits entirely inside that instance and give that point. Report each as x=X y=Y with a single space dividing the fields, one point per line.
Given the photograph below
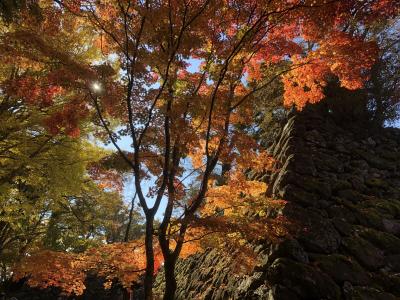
x=125 y=144
x=129 y=189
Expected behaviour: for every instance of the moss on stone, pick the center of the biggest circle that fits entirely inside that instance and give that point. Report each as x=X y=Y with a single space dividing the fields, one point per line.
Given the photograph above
x=387 y=282
x=385 y=241
x=311 y=184
x=304 y=280
x=350 y=195
x=367 y=254
x=386 y=206
x=377 y=183
x=390 y=155
x=375 y=161
x=370 y=217
x=367 y=293
x=341 y=268
x=341 y=185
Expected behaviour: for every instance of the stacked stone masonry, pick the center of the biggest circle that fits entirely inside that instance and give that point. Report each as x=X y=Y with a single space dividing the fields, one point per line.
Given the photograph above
x=343 y=190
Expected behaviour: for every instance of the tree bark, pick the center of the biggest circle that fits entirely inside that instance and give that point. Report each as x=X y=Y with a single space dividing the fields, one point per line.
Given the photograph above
x=128 y=227
x=148 y=278
x=170 y=281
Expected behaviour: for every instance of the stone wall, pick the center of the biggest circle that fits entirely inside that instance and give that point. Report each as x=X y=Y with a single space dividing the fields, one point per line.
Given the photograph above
x=343 y=190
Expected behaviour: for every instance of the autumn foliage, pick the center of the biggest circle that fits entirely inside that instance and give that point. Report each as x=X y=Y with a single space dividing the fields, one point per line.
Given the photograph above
x=179 y=80
x=61 y=270
x=122 y=263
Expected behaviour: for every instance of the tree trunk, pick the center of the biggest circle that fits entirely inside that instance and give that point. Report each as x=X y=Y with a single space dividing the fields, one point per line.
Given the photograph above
x=128 y=227
x=170 y=281
x=148 y=278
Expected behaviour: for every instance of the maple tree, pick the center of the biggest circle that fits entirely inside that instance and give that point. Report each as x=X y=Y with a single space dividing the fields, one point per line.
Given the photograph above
x=56 y=190
x=126 y=66
x=39 y=205
x=68 y=271
x=10 y=9
x=382 y=89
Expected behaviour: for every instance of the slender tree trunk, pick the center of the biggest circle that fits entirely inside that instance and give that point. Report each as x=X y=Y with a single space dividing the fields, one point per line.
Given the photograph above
x=3 y=273
x=128 y=227
x=148 y=278
x=170 y=280
x=127 y=294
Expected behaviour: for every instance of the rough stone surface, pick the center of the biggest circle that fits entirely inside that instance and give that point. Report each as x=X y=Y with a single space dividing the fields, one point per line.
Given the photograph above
x=343 y=190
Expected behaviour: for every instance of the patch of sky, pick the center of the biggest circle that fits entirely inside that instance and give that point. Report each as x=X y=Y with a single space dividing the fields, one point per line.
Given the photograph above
x=193 y=65
x=124 y=142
